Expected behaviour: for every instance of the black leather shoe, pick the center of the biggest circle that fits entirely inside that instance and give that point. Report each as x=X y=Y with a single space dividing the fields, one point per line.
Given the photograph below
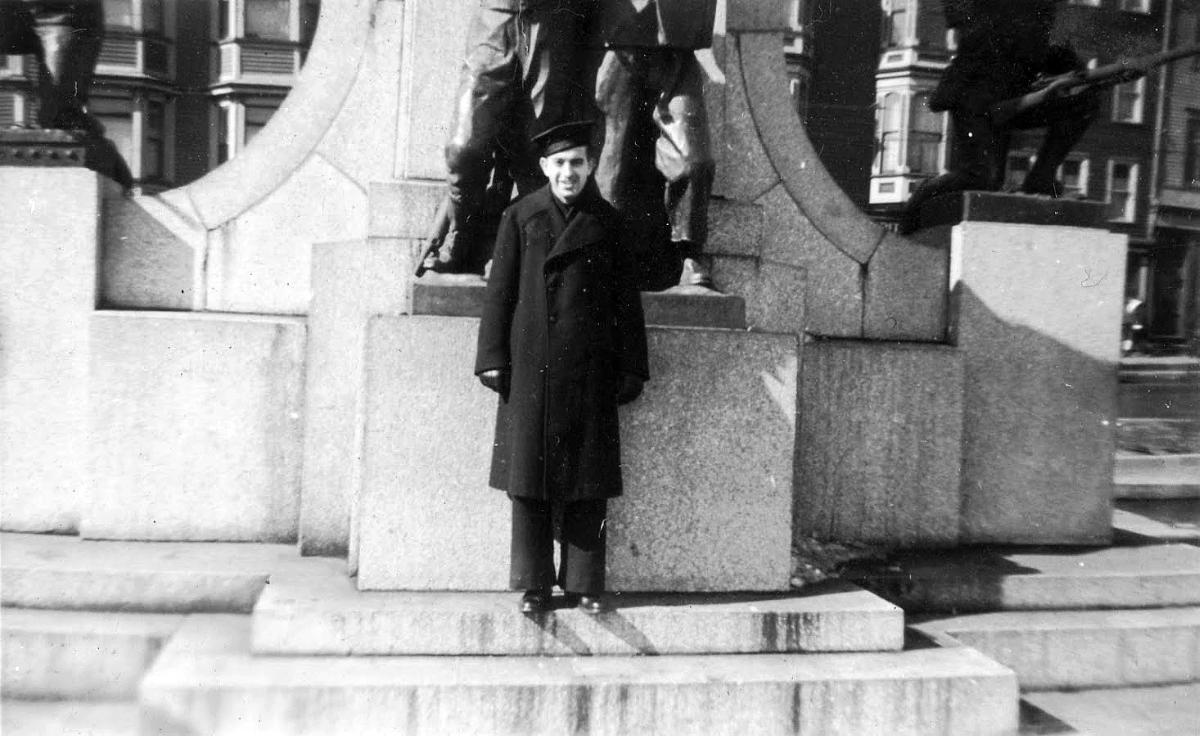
x=592 y=604
x=535 y=601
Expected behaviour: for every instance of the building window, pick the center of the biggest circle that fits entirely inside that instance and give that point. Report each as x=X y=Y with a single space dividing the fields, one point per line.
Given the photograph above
x=1134 y=6
x=1122 y=191
x=895 y=24
x=1016 y=169
x=1093 y=3
x=1074 y=177
x=268 y=19
x=153 y=16
x=154 y=133
x=118 y=13
x=925 y=140
x=116 y=114
x=1191 y=167
x=1128 y=101
x=891 y=142
x=257 y=117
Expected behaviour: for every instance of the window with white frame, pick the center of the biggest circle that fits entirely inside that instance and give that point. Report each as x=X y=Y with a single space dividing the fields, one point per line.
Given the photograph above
x=1129 y=100
x=891 y=142
x=1093 y=3
x=925 y=138
x=268 y=19
x=895 y=25
x=116 y=114
x=1073 y=173
x=1122 y=191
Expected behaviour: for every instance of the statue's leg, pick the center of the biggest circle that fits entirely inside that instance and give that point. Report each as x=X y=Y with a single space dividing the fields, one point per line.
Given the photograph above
x=683 y=151
x=1066 y=123
x=485 y=92
x=616 y=99
x=976 y=154
x=70 y=36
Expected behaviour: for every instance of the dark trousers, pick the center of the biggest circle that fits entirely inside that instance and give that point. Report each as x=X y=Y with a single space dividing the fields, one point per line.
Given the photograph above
x=583 y=538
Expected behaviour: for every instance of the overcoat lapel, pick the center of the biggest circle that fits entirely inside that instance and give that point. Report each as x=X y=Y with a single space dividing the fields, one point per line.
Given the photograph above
x=584 y=229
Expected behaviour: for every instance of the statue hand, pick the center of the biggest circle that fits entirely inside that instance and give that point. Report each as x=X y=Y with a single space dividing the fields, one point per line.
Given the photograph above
x=631 y=388
x=496 y=379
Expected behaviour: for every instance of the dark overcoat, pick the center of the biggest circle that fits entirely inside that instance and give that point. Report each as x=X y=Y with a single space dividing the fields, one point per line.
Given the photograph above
x=562 y=313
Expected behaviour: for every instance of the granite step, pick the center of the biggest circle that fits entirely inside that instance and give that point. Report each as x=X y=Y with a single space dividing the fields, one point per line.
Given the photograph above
x=1138 y=475
x=1082 y=649
x=1018 y=579
x=1144 y=521
x=73 y=717
x=79 y=655
x=455 y=295
x=207 y=681
x=1168 y=710
x=317 y=610
x=69 y=573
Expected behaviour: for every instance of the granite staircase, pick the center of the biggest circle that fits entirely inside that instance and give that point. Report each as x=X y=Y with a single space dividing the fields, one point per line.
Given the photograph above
x=1080 y=627
x=161 y=638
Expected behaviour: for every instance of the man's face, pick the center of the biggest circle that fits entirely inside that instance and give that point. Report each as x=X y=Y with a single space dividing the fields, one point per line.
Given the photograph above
x=568 y=172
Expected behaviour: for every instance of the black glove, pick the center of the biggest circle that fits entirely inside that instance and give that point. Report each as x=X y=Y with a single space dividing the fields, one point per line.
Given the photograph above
x=631 y=388
x=496 y=379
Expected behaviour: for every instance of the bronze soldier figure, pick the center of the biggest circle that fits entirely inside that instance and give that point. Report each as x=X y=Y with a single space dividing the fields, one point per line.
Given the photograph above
x=656 y=164
x=1003 y=49
x=65 y=37
x=522 y=66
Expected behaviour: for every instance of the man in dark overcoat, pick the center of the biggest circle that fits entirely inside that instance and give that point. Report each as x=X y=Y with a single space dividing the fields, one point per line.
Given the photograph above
x=562 y=340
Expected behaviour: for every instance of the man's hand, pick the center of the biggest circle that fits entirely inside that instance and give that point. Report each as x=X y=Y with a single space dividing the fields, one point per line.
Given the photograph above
x=496 y=379
x=631 y=388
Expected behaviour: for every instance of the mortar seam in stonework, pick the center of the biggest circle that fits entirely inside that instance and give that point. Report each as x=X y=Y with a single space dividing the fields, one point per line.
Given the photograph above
x=755 y=114
x=334 y=165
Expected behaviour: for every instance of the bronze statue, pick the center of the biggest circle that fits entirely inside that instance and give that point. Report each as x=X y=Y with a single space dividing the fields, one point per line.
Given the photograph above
x=655 y=164
x=522 y=67
x=65 y=37
x=1003 y=50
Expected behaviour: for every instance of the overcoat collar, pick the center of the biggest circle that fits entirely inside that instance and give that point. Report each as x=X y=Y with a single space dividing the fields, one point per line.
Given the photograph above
x=585 y=228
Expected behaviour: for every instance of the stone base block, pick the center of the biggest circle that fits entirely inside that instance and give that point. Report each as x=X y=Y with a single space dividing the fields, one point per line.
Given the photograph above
x=69 y=573
x=55 y=655
x=707 y=455
x=196 y=427
x=35 y=718
x=1056 y=650
x=206 y=681
x=1036 y=311
x=351 y=281
x=318 y=611
x=50 y=221
x=880 y=437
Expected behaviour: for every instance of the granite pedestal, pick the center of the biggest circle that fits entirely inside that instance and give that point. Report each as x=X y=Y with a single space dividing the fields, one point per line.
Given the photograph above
x=50 y=227
x=1036 y=312
x=195 y=427
x=707 y=455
